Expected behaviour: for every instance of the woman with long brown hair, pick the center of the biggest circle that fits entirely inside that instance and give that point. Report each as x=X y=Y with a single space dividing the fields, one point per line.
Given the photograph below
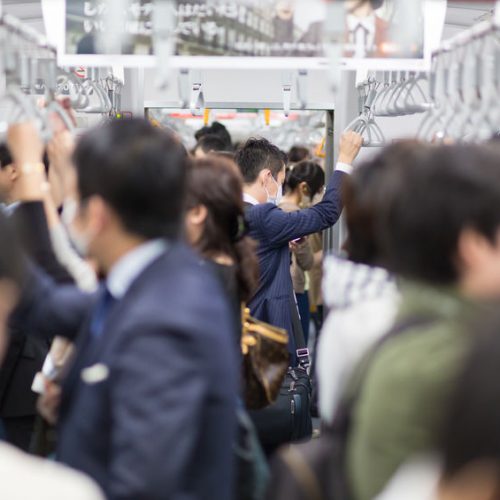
x=215 y=227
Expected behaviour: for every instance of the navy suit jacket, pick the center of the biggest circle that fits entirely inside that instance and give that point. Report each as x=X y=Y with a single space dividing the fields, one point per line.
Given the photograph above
x=274 y=229
x=148 y=409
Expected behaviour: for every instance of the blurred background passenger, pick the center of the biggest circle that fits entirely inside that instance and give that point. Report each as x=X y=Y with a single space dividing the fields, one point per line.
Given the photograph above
x=439 y=231
x=26 y=354
x=8 y=176
x=208 y=144
x=109 y=426
x=298 y=154
x=216 y=228
x=23 y=476
x=302 y=183
x=466 y=464
x=219 y=130
x=362 y=297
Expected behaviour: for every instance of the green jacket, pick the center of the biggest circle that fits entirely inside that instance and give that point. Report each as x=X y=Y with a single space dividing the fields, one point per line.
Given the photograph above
x=407 y=387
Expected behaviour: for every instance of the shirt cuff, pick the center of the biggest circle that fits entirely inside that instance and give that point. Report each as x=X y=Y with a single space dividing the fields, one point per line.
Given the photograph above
x=344 y=167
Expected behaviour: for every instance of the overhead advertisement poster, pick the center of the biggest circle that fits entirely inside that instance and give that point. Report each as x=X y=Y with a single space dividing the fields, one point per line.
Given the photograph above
x=109 y=31
x=279 y=31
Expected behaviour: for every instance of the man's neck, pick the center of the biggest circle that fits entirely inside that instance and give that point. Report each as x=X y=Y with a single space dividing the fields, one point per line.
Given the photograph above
x=363 y=11
x=254 y=191
x=121 y=247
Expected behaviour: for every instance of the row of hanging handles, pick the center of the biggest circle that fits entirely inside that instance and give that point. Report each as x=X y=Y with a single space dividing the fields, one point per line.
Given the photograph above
x=32 y=75
x=459 y=97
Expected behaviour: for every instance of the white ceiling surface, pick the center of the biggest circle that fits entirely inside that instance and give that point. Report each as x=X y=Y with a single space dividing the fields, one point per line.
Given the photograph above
x=30 y=11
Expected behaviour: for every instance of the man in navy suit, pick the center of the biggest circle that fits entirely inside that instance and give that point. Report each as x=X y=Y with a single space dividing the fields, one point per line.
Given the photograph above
x=263 y=167
x=148 y=405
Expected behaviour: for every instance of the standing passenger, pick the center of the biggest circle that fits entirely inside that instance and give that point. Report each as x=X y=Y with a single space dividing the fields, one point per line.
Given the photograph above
x=148 y=406
x=216 y=228
x=303 y=182
x=263 y=167
x=440 y=231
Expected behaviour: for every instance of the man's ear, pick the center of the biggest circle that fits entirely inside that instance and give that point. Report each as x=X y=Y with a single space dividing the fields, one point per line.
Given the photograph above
x=471 y=247
x=263 y=176
x=99 y=214
x=12 y=172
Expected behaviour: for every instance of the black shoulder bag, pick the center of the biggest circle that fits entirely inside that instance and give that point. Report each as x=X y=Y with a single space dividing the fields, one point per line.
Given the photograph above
x=289 y=419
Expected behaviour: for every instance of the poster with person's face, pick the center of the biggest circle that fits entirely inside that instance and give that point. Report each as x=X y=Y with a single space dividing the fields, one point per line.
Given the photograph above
x=276 y=30
x=252 y=28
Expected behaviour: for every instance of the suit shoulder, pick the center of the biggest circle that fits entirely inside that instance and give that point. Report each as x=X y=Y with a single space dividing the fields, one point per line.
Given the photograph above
x=179 y=290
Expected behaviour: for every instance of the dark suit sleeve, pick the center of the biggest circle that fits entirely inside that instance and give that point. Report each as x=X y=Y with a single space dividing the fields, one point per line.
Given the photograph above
x=158 y=396
x=46 y=307
x=34 y=234
x=279 y=227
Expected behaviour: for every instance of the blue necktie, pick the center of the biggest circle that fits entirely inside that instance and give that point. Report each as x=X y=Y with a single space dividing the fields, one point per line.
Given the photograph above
x=101 y=312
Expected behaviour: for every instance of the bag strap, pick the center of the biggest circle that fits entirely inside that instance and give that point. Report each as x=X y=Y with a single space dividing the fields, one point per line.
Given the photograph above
x=343 y=416
x=301 y=349
x=341 y=426
x=339 y=430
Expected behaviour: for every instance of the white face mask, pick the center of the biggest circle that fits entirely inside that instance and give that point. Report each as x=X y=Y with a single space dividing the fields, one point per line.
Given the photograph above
x=275 y=200
x=80 y=241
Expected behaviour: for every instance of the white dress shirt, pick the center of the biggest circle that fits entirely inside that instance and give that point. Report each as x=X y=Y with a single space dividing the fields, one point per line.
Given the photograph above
x=249 y=199
x=131 y=265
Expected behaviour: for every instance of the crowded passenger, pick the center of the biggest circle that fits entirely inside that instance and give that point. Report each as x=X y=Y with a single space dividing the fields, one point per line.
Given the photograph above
x=208 y=144
x=360 y=294
x=216 y=129
x=116 y=416
x=216 y=228
x=438 y=231
x=303 y=182
x=24 y=476
x=263 y=168
x=467 y=466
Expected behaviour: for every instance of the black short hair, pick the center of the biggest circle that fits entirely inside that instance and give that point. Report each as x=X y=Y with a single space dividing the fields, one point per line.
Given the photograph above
x=305 y=171
x=140 y=171
x=444 y=190
x=298 y=154
x=5 y=156
x=219 y=130
x=364 y=194
x=209 y=143
x=256 y=155
x=470 y=432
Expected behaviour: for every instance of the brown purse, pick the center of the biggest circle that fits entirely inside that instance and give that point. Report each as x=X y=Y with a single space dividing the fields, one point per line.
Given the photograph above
x=265 y=361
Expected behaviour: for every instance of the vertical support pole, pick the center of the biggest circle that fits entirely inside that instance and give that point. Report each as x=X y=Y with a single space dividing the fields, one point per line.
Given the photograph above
x=328 y=235
x=133 y=91
x=346 y=108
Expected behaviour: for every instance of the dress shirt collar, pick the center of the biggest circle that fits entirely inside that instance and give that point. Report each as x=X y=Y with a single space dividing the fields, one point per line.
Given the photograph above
x=247 y=198
x=131 y=265
x=9 y=209
x=368 y=23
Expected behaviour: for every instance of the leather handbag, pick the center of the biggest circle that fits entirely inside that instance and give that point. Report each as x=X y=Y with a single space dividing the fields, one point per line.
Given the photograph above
x=265 y=361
